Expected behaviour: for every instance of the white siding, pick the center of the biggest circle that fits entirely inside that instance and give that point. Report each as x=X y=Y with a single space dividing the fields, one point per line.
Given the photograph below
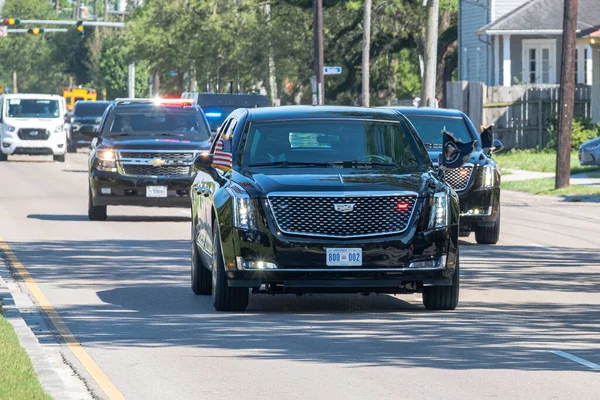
x=474 y=54
x=502 y=7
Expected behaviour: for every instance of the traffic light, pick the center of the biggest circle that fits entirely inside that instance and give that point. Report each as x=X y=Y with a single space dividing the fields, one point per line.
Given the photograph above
x=80 y=29
x=35 y=31
x=11 y=21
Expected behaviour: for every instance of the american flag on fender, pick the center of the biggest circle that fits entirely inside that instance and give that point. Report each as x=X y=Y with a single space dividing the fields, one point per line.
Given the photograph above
x=222 y=159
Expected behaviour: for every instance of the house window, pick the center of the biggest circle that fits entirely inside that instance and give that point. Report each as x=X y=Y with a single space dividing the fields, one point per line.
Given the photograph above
x=539 y=61
x=583 y=65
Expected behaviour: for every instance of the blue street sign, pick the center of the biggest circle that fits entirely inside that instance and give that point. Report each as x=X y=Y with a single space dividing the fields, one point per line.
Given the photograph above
x=332 y=70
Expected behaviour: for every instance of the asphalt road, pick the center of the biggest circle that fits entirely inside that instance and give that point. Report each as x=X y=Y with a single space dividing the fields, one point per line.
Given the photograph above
x=122 y=287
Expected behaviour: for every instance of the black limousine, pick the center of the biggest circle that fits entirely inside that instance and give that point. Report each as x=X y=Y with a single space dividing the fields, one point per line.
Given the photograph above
x=307 y=199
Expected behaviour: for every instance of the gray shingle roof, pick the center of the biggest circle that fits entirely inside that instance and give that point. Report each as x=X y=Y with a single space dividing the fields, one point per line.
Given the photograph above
x=546 y=15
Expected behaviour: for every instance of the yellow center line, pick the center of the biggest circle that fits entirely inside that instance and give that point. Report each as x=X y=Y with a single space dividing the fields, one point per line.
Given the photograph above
x=76 y=348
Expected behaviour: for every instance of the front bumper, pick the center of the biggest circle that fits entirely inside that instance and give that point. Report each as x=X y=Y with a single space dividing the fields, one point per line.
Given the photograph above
x=301 y=261
x=131 y=191
x=79 y=139
x=52 y=146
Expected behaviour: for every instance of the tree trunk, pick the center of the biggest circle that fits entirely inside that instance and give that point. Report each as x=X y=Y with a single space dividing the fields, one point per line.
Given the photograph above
x=106 y=10
x=156 y=84
x=77 y=9
x=366 y=94
x=271 y=66
x=567 y=95
x=15 y=83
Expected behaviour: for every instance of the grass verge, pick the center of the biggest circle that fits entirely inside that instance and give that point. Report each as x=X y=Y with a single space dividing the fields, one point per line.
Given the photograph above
x=546 y=186
x=18 y=379
x=529 y=160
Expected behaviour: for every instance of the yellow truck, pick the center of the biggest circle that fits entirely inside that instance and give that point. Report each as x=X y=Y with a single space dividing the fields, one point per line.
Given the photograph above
x=73 y=95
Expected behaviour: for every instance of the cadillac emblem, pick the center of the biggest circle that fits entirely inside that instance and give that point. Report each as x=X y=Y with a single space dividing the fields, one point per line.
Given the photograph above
x=344 y=208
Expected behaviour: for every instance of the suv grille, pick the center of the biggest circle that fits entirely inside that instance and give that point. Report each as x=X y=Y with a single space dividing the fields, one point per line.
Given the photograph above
x=167 y=156
x=150 y=170
x=458 y=178
x=33 y=134
x=317 y=216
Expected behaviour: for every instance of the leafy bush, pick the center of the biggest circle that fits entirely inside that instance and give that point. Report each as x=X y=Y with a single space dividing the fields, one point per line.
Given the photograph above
x=582 y=131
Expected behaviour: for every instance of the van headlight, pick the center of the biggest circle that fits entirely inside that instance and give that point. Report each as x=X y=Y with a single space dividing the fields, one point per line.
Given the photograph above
x=440 y=215
x=59 y=128
x=106 y=160
x=489 y=176
x=9 y=128
x=243 y=208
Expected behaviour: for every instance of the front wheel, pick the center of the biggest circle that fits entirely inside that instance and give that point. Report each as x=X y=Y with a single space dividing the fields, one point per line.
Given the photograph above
x=59 y=157
x=3 y=157
x=71 y=147
x=443 y=297
x=95 y=213
x=489 y=234
x=201 y=276
x=225 y=298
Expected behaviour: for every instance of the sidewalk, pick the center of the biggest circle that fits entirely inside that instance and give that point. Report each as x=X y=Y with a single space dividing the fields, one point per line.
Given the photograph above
x=588 y=179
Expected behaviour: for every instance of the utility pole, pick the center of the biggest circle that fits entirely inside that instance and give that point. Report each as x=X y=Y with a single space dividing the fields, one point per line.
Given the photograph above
x=77 y=9
x=96 y=10
x=57 y=7
x=318 y=43
x=428 y=89
x=131 y=81
x=366 y=55
x=15 y=85
x=567 y=95
x=105 y=10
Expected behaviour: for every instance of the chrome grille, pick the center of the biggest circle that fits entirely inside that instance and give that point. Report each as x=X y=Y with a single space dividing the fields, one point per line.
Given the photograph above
x=33 y=134
x=315 y=215
x=183 y=157
x=150 y=170
x=458 y=178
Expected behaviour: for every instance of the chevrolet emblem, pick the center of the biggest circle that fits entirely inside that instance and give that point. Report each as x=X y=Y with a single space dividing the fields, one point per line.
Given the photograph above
x=157 y=162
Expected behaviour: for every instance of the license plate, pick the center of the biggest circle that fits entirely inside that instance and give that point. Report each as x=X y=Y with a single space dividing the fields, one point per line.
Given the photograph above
x=156 y=191
x=344 y=257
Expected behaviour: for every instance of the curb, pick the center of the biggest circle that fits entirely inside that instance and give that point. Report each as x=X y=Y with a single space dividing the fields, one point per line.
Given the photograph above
x=39 y=341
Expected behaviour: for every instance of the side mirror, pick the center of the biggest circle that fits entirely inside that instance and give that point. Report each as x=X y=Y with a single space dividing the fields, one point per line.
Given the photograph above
x=203 y=162
x=497 y=146
x=94 y=142
x=455 y=152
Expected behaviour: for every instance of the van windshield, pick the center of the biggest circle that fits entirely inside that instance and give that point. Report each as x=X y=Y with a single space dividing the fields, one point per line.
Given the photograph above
x=32 y=108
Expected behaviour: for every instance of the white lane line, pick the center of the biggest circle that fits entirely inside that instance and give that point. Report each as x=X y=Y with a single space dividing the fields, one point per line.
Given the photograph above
x=581 y=361
x=186 y=212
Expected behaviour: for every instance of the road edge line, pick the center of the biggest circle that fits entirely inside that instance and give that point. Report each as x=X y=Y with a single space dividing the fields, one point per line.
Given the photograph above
x=72 y=343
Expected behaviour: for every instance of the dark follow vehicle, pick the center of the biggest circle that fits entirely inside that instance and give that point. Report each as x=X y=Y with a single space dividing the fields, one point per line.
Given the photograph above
x=144 y=155
x=321 y=199
x=477 y=181
x=85 y=121
x=217 y=106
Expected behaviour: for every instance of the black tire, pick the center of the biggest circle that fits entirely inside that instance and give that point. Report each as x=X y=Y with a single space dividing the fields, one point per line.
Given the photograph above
x=71 y=147
x=225 y=298
x=443 y=297
x=201 y=276
x=59 y=157
x=95 y=213
x=3 y=157
x=489 y=234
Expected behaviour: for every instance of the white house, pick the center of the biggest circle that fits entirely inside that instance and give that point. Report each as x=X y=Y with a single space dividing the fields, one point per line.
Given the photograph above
x=507 y=42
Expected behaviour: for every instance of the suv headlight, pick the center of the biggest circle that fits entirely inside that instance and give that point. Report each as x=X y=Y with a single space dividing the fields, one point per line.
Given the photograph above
x=9 y=128
x=243 y=208
x=440 y=215
x=489 y=176
x=106 y=160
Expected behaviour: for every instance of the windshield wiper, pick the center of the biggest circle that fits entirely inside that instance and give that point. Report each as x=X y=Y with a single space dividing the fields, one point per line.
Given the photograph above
x=284 y=164
x=354 y=163
x=168 y=134
x=120 y=135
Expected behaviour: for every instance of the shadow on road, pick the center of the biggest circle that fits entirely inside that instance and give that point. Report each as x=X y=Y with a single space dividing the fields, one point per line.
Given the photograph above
x=147 y=302
x=113 y=218
x=77 y=171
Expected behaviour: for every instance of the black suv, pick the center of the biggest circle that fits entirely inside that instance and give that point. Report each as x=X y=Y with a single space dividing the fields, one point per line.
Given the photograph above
x=144 y=154
x=85 y=122
x=477 y=181
x=321 y=199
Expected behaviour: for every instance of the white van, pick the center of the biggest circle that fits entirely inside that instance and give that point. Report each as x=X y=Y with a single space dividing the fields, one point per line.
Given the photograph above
x=33 y=124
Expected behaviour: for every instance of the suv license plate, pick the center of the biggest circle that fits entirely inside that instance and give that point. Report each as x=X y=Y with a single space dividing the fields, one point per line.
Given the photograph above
x=156 y=191
x=345 y=257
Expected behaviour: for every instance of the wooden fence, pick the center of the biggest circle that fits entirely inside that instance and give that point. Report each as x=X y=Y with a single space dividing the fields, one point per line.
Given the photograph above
x=521 y=114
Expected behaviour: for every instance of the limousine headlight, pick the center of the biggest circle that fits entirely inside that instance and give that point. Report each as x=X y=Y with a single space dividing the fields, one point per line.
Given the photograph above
x=243 y=209
x=488 y=176
x=440 y=214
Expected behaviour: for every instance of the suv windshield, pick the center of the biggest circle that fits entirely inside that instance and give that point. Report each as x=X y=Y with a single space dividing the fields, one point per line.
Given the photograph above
x=91 y=109
x=32 y=108
x=313 y=142
x=430 y=128
x=153 y=120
